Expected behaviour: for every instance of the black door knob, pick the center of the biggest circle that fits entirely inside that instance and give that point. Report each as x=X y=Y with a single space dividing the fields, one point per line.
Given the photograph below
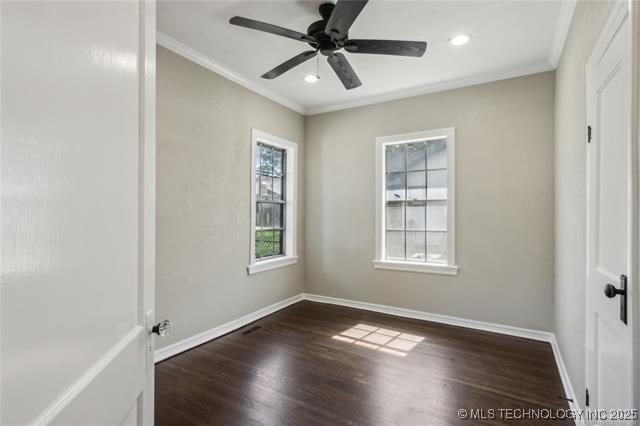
x=611 y=291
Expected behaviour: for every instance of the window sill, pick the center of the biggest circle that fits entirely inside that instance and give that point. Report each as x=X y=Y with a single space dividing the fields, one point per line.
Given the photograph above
x=426 y=268
x=267 y=265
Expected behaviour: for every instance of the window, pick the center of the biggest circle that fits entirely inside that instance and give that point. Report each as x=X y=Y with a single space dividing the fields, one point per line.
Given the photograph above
x=415 y=202
x=273 y=221
x=270 y=201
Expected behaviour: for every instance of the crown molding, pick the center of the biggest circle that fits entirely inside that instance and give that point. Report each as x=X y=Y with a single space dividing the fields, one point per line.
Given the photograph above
x=562 y=30
x=199 y=58
x=436 y=87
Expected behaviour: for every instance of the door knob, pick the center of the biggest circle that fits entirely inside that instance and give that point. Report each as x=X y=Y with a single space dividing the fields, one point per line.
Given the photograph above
x=163 y=328
x=611 y=291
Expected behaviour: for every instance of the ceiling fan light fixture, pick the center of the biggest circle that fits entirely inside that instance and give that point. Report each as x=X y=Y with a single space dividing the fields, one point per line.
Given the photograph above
x=311 y=78
x=460 y=40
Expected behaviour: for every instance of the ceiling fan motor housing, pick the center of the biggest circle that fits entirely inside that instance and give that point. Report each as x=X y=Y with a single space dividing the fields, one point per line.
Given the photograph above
x=316 y=30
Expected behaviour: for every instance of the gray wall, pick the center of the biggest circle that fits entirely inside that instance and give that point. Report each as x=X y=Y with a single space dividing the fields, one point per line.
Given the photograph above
x=570 y=184
x=203 y=198
x=504 y=203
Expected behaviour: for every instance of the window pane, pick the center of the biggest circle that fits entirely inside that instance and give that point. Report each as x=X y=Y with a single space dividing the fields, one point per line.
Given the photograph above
x=437 y=185
x=437 y=154
x=416 y=156
x=277 y=162
x=277 y=242
x=278 y=216
x=415 y=216
x=416 y=246
x=395 y=216
x=395 y=186
x=258 y=156
x=277 y=188
x=416 y=183
x=266 y=187
x=267 y=216
x=266 y=160
x=265 y=248
x=270 y=186
x=437 y=216
x=437 y=247
x=395 y=245
x=395 y=158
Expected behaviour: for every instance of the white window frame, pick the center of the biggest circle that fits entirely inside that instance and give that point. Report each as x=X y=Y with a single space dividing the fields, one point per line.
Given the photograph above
x=380 y=262
x=291 y=197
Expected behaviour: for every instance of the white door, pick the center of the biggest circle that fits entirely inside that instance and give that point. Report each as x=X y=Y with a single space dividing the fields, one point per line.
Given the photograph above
x=609 y=320
x=78 y=170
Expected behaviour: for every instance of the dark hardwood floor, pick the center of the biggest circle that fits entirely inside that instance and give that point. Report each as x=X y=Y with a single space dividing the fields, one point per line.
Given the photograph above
x=377 y=370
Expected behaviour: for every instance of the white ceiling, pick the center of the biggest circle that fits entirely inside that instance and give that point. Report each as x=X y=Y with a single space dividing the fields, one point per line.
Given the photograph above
x=509 y=38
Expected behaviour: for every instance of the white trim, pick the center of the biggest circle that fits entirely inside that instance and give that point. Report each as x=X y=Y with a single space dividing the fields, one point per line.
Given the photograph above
x=94 y=371
x=268 y=265
x=147 y=263
x=199 y=58
x=542 y=336
x=291 y=197
x=435 y=87
x=616 y=18
x=200 y=338
x=428 y=268
x=566 y=379
x=634 y=13
x=380 y=262
x=562 y=30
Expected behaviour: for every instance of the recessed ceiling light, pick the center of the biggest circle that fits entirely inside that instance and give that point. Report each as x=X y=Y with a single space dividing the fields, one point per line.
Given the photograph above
x=311 y=78
x=460 y=40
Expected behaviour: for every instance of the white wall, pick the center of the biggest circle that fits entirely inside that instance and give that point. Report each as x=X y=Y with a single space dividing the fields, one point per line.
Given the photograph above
x=504 y=203
x=203 y=198
x=570 y=183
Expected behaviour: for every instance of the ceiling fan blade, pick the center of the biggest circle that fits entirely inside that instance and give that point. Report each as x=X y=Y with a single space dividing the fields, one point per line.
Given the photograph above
x=268 y=28
x=286 y=66
x=342 y=17
x=387 y=47
x=343 y=69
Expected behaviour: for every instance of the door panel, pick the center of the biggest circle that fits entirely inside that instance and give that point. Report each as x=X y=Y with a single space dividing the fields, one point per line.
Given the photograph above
x=73 y=293
x=99 y=403
x=609 y=341
x=612 y=127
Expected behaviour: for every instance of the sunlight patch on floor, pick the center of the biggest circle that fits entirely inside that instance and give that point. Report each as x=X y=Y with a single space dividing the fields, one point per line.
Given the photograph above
x=380 y=339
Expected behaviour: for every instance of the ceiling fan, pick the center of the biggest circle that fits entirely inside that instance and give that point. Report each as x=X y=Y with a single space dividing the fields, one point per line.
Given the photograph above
x=330 y=34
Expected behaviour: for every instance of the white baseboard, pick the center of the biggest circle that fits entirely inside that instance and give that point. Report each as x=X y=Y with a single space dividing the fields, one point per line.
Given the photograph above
x=205 y=336
x=566 y=380
x=542 y=336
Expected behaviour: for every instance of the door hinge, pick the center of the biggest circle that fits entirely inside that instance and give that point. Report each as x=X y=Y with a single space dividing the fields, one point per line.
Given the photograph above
x=588 y=134
x=586 y=397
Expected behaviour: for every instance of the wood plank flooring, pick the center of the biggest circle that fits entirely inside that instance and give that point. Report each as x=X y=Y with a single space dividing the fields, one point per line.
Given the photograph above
x=378 y=370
